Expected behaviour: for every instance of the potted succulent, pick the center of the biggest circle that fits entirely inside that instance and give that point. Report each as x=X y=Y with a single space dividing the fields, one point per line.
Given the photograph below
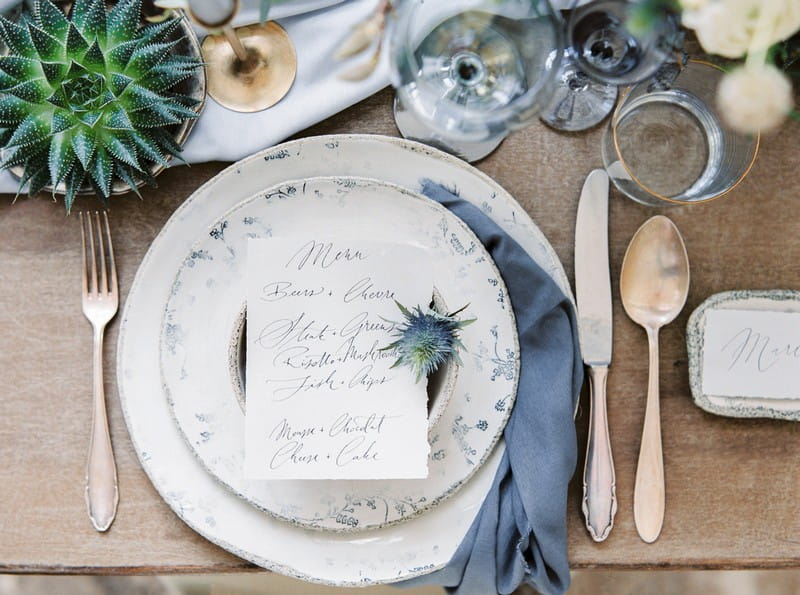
x=95 y=101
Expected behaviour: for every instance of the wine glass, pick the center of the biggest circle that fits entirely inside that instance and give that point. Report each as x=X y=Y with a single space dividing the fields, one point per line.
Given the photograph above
x=601 y=54
x=249 y=68
x=469 y=72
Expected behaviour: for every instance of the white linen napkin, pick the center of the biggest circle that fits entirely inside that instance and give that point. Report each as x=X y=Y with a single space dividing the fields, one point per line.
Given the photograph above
x=317 y=28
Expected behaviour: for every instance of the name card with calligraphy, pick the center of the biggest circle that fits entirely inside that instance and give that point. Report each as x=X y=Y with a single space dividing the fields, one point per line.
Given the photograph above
x=752 y=353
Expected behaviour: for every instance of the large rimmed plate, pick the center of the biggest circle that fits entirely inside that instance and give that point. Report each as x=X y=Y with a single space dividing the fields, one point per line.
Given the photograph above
x=409 y=549
x=205 y=304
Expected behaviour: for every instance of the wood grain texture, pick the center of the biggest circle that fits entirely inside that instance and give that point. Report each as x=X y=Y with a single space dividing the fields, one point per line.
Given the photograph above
x=732 y=485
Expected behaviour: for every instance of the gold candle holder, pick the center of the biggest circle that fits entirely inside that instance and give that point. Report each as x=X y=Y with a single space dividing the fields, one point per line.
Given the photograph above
x=249 y=68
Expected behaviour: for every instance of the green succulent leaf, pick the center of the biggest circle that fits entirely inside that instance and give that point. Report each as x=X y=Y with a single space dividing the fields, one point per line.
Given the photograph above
x=119 y=82
x=161 y=79
x=58 y=100
x=79 y=13
x=7 y=81
x=167 y=142
x=73 y=184
x=148 y=149
x=19 y=67
x=31 y=131
x=47 y=46
x=122 y=150
x=146 y=57
x=159 y=31
x=76 y=43
x=90 y=118
x=37 y=178
x=13 y=109
x=50 y=18
x=15 y=37
x=33 y=91
x=61 y=121
x=54 y=72
x=119 y=57
x=93 y=26
x=101 y=171
x=119 y=120
x=94 y=59
x=61 y=158
x=84 y=144
x=123 y=21
x=127 y=176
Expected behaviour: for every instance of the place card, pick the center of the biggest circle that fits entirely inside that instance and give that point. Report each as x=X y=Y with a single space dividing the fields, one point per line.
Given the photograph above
x=751 y=353
x=322 y=399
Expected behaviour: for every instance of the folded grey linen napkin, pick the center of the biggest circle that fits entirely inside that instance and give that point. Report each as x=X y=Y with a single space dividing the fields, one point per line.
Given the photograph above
x=520 y=533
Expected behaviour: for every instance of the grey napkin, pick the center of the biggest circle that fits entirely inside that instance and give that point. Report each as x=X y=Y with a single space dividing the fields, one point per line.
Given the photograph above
x=520 y=533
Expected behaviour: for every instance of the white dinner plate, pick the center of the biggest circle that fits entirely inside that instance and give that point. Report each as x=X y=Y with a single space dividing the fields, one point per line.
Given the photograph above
x=389 y=554
x=203 y=313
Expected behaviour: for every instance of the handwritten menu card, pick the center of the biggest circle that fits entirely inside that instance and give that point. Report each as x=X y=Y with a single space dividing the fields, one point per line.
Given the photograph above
x=322 y=399
x=752 y=353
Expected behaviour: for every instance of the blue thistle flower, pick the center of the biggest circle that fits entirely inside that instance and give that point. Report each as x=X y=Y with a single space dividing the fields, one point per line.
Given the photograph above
x=427 y=339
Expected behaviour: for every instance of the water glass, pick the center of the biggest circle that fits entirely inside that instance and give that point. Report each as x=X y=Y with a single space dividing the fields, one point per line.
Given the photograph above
x=468 y=72
x=670 y=146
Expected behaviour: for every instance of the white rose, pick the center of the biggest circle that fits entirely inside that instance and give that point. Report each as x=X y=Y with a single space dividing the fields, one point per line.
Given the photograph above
x=755 y=98
x=732 y=28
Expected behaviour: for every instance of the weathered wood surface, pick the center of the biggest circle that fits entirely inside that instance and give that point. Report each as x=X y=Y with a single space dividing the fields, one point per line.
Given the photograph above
x=733 y=491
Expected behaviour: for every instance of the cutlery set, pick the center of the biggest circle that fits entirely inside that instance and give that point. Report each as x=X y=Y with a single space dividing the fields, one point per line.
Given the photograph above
x=654 y=283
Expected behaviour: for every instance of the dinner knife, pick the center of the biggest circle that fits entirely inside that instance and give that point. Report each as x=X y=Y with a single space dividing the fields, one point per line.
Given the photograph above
x=593 y=291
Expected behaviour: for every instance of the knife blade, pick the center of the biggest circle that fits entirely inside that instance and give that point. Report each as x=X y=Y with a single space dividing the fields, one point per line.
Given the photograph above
x=595 y=332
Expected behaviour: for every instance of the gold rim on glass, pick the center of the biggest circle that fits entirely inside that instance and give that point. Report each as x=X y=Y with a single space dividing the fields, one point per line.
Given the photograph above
x=655 y=194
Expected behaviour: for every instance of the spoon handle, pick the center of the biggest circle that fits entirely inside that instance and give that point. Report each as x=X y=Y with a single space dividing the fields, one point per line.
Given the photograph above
x=648 y=494
x=599 y=481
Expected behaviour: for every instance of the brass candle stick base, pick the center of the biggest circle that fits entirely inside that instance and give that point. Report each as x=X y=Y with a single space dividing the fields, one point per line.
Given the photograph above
x=251 y=68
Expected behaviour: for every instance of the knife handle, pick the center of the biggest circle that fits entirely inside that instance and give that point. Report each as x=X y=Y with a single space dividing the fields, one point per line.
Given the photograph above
x=599 y=480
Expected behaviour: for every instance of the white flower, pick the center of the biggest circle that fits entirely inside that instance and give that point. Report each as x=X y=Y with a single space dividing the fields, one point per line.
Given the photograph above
x=732 y=28
x=755 y=98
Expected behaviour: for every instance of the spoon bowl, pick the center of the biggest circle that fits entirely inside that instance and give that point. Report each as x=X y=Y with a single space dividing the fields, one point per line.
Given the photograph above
x=654 y=284
x=655 y=274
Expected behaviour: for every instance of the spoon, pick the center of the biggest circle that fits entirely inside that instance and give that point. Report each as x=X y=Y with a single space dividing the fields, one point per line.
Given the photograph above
x=654 y=283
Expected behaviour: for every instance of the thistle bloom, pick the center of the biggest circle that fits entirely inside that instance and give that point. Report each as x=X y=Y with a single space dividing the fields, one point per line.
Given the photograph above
x=755 y=98
x=427 y=339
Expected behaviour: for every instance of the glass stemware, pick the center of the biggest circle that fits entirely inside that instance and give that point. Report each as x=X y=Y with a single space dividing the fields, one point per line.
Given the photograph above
x=249 y=68
x=469 y=72
x=602 y=54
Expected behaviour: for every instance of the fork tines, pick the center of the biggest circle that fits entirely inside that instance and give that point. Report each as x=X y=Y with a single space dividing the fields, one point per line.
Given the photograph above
x=99 y=235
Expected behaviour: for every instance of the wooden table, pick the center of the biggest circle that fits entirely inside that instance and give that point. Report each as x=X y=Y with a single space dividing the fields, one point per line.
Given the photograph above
x=733 y=493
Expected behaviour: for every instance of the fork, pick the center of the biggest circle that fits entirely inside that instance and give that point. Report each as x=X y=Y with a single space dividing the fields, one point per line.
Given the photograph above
x=100 y=304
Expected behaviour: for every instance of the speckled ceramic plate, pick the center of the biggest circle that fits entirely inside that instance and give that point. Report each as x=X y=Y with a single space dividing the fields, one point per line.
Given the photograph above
x=419 y=546
x=776 y=300
x=202 y=314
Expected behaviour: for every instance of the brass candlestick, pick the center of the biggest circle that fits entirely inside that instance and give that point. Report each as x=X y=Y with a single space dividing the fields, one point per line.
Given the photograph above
x=249 y=68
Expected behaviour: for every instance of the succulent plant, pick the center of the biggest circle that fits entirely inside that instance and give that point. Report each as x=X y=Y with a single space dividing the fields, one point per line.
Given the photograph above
x=427 y=339
x=89 y=99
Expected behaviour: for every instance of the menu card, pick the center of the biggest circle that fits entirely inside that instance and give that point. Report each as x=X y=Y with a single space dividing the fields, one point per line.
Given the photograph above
x=322 y=399
x=751 y=353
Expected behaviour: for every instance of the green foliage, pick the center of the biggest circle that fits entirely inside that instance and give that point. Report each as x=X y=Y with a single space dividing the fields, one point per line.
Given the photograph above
x=85 y=100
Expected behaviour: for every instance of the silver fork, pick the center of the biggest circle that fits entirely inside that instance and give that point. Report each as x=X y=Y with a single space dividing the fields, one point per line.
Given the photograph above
x=100 y=304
